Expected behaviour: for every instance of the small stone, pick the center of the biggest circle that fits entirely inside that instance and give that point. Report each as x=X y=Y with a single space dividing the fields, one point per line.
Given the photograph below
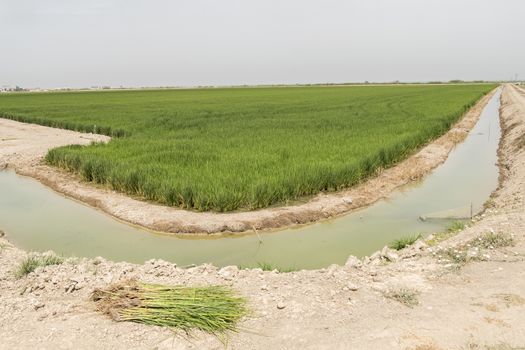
x=39 y=305
x=352 y=287
x=347 y=200
x=419 y=245
x=228 y=272
x=98 y=260
x=264 y=287
x=330 y=270
x=391 y=256
x=108 y=278
x=353 y=261
x=375 y=256
x=76 y=279
x=281 y=305
x=384 y=251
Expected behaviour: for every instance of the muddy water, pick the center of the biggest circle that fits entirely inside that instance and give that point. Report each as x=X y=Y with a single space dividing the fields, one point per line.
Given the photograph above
x=37 y=218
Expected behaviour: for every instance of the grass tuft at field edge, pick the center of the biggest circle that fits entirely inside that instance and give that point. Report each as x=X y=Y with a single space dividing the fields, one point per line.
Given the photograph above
x=404 y=242
x=32 y=262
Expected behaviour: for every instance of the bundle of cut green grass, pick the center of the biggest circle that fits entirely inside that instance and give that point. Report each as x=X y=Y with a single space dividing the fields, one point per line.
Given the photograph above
x=213 y=309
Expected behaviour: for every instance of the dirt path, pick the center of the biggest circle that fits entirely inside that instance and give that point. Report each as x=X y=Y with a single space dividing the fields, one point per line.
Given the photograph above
x=22 y=147
x=474 y=305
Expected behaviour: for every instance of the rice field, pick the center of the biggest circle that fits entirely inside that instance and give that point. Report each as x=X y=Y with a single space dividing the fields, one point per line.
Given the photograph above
x=242 y=148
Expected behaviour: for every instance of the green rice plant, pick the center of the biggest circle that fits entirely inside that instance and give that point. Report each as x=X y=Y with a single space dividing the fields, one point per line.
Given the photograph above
x=404 y=242
x=32 y=262
x=243 y=148
x=213 y=309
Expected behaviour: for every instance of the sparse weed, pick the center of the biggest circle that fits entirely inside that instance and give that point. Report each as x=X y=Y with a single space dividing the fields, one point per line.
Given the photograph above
x=472 y=250
x=269 y=267
x=406 y=296
x=491 y=240
x=458 y=257
x=451 y=231
x=404 y=242
x=439 y=237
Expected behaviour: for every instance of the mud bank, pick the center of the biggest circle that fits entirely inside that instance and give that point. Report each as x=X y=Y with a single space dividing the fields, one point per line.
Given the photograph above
x=24 y=145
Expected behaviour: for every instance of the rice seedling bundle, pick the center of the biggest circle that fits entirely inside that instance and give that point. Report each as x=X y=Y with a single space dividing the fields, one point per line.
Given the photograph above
x=213 y=309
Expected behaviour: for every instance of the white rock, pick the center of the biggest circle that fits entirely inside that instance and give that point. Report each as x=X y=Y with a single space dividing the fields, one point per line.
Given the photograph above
x=375 y=256
x=391 y=256
x=228 y=272
x=353 y=261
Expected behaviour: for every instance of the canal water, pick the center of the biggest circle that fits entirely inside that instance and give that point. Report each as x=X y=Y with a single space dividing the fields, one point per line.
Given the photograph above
x=38 y=219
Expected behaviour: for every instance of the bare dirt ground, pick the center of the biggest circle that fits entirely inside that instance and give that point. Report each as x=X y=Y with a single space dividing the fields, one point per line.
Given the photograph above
x=465 y=292
x=22 y=147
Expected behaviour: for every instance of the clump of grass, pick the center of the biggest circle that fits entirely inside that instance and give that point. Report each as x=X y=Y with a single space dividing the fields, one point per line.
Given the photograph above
x=404 y=242
x=456 y=226
x=406 y=296
x=265 y=266
x=269 y=267
x=452 y=230
x=213 y=309
x=491 y=240
x=32 y=262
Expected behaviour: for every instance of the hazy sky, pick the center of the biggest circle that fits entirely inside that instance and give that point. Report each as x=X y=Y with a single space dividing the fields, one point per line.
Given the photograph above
x=59 y=43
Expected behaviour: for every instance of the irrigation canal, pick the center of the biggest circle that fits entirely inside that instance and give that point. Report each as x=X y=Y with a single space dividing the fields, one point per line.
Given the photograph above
x=38 y=219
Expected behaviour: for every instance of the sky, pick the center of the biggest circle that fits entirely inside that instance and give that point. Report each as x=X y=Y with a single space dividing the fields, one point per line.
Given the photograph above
x=78 y=43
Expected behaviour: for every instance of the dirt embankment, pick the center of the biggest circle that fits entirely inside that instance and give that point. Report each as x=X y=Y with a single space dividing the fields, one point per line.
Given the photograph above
x=464 y=293
x=24 y=145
